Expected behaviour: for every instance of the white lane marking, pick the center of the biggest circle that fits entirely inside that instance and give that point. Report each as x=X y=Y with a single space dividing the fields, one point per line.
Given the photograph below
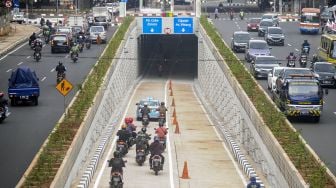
x=335 y=113
x=43 y=79
x=171 y=176
x=67 y=56
x=296 y=50
x=8 y=70
x=218 y=135
x=43 y=45
x=20 y=63
x=13 y=51
x=289 y=44
x=52 y=70
x=114 y=141
x=28 y=57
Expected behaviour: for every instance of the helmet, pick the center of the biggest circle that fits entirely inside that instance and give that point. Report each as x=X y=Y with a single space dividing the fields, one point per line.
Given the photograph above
x=291 y=53
x=130 y=119
x=80 y=36
x=127 y=120
x=75 y=44
x=145 y=104
x=314 y=56
x=156 y=138
x=60 y=63
x=253 y=179
x=161 y=124
x=162 y=103
x=143 y=129
x=116 y=154
x=123 y=126
x=2 y=94
x=305 y=41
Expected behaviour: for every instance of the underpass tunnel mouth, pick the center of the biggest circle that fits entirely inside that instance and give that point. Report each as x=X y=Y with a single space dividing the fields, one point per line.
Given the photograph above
x=178 y=55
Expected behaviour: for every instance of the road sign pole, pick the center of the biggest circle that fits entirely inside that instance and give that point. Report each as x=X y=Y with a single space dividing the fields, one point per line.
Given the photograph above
x=65 y=112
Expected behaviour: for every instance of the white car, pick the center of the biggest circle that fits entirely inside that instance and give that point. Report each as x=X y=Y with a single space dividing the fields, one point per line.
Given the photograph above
x=272 y=77
x=97 y=30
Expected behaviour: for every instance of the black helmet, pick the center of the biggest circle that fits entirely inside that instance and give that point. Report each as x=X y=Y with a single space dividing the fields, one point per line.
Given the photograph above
x=60 y=63
x=253 y=179
x=116 y=154
x=291 y=53
x=162 y=103
x=144 y=130
x=305 y=41
x=161 y=124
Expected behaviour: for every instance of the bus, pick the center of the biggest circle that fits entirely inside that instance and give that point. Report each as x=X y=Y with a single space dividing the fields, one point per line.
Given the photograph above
x=327 y=49
x=310 y=20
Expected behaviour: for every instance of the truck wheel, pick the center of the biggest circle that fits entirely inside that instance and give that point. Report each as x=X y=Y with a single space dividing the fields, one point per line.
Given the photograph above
x=35 y=101
x=316 y=119
x=13 y=103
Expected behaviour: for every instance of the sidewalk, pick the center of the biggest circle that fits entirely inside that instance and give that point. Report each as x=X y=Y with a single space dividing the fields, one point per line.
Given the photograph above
x=19 y=34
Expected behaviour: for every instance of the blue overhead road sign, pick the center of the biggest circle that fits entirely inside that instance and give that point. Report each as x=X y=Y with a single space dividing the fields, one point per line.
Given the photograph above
x=183 y=25
x=152 y=25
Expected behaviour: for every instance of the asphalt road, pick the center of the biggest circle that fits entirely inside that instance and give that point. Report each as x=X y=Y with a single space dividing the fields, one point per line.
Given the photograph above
x=25 y=130
x=319 y=136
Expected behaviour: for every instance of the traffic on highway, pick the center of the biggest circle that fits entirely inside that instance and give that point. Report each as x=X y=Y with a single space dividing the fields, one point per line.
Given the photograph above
x=289 y=61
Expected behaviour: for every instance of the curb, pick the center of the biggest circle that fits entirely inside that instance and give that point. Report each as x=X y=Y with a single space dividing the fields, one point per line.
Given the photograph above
x=16 y=44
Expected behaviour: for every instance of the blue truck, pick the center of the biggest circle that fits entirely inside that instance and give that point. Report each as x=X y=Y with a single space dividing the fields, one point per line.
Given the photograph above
x=23 y=86
x=300 y=96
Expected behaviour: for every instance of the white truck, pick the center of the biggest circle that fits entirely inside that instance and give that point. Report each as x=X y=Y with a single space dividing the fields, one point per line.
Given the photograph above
x=75 y=21
x=101 y=16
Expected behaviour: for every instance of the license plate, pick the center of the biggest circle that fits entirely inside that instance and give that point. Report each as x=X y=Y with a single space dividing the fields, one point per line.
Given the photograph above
x=304 y=112
x=24 y=97
x=327 y=82
x=254 y=28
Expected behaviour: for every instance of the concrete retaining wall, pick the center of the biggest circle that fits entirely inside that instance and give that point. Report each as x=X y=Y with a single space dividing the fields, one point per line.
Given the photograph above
x=241 y=119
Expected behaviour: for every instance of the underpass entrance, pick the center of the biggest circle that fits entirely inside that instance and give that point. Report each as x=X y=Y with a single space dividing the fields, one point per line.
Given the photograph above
x=177 y=53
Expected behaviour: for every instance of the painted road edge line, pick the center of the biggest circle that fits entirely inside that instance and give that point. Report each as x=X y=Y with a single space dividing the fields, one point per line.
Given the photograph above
x=13 y=51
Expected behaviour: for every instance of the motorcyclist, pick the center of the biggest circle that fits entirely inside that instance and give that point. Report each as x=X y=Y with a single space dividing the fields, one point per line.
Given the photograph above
x=253 y=183
x=131 y=128
x=162 y=109
x=32 y=38
x=161 y=132
x=156 y=148
x=60 y=69
x=117 y=163
x=241 y=14
x=231 y=13
x=74 y=49
x=314 y=60
x=37 y=46
x=42 y=22
x=145 y=110
x=290 y=57
x=307 y=45
x=123 y=134
x=49 y=24
x=142 y=139
x=4 y=103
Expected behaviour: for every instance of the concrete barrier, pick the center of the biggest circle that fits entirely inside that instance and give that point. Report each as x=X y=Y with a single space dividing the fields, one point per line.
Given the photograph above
x=240 y=117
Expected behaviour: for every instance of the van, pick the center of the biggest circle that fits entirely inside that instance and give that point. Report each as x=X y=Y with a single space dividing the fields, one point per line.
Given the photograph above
x=96 y=31
x=327 y=49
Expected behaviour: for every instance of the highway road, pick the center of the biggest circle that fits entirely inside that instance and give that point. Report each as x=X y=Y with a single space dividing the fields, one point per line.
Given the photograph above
x=22 y=134
x=320 y=136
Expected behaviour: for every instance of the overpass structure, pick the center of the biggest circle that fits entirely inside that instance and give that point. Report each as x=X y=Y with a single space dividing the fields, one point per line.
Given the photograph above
x=220 y=135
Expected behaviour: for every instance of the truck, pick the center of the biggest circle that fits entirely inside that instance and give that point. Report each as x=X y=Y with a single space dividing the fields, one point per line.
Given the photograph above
x=101 y=16
x=300 y=96
x=18 y=17
x=23 y=86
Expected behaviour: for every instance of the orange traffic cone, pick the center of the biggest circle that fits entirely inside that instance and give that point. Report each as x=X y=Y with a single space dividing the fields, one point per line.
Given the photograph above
x=170 y=84
x=173 y=102
x=174 y=113
x=177 y=128
x=185 y=174
x=174 y=120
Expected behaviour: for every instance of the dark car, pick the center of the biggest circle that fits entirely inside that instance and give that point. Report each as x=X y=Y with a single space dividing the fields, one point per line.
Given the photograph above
x=262 y=65
x=220 y=7
x=240 y=40
x=253 y=24
x=256 y=48
x=289 y=73
x=60 y=43
x=325 y=73
x=264 y=24
x=275 y=36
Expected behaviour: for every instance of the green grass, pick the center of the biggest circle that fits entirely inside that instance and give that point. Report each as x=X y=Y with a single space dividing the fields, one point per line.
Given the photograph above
x=309 y=168
x=54 y=152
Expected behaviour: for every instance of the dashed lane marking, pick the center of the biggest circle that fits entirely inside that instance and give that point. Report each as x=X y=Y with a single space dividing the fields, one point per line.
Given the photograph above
x=52 y=70
x=67 y=56
x=8 y=70
x=43 y=45
x=289 y=44
x=43 y=79
x=28 y=57
x=20 y=63
x=296 y=50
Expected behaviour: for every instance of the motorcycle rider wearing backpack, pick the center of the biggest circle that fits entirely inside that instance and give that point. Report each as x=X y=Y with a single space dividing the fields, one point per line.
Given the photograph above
x=162 y=109
x=161 y=132
x=156 y=148
x=117 y=163
x=4 y=103
x=142 y=140
x=123 y=134
x=131 y=128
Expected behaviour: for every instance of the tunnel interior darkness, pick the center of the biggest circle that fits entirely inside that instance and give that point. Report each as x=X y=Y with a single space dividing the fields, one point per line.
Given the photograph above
x=180 y=51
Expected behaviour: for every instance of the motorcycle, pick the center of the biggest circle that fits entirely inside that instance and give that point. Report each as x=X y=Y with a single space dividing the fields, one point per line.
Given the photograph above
x=162 y=119
x=291 y=62
x=88 y=44
x=3 y=113
x=140 y=156
x=81 y=47
x=60 y=77
x=74 y=57
x=241 y=16
x=122 y=147
x=37 y=56
x=303 y=60
x=131 y=141
x=156 y=164
x=305 y=49
x=231 y=16
x=163 y=142
x=116 y=180
x=145 y=120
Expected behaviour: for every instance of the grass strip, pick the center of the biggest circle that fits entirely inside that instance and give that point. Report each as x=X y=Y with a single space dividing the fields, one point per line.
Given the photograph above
x=309 y=168
x=61 y=138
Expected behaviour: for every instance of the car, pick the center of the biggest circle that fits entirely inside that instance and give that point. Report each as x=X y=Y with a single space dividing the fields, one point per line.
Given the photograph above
x=264 y=24
x=153 y=105
x=18 y=17
x=256 y=48
x=262 y=65
x=325 y=73
x=60 y=43
x=97 y=30
x=272 y=76
x=289 y=73
x=275 y=36
x=240 y=40
x=253 y=24
x=65 y=30
x=271 y=16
